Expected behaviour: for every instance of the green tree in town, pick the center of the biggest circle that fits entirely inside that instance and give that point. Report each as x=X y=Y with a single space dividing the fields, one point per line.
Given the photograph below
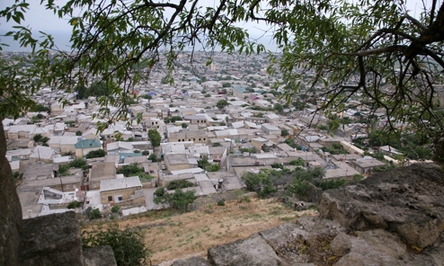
x=154 y=137
x=284 y=132
x=221 y=104
x=278 y=107
x=179 y=200
x=95 y=154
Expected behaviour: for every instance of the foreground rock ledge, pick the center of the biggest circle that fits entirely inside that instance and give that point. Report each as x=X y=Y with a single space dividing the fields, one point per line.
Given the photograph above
x=391 y=218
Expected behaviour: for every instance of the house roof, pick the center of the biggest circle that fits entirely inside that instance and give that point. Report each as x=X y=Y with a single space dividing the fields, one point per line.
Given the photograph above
x=63 y=140
x=87 y=143
x=120 y=183
x=119 y=145
x=42 y=152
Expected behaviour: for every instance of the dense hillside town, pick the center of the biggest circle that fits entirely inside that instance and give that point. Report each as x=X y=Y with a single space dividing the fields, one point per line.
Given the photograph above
x=213 y=125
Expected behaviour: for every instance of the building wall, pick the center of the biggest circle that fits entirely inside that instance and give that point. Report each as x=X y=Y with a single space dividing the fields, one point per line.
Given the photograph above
x=66 y=186
x=125 y=193
x=67 y=149
x=175 y=167
x=257 y=145
x=80 y=153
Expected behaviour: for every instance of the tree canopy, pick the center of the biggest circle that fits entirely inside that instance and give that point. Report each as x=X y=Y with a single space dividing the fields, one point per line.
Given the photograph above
x=331 y=51
x=155 y=137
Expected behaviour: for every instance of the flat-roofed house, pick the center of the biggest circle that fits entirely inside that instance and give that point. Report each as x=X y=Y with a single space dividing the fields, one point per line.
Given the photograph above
x=66 y=144
x=174 y=162
x=84 y=146
x=122 y=191
x=101 y=171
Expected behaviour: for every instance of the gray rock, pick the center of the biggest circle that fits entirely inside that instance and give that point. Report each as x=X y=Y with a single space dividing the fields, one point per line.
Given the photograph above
x=406 y=200
x=193 y=261
x=99 y=256
x=251 y=251
x=51 y=240
x=11 y=212
x=286 y=240
x=436 y=252
x=340 y=245
x=374 y=247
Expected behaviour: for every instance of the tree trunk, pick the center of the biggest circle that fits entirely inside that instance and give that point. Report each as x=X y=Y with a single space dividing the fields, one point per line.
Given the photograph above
x=10 y=209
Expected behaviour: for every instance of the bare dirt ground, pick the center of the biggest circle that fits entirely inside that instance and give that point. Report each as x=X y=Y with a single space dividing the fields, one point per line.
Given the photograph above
x=170 y=236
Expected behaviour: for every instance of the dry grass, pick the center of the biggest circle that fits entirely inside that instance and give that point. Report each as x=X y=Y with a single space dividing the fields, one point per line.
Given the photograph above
x=170 y=236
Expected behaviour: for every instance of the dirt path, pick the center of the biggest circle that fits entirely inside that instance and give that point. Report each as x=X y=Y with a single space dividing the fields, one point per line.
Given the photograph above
x=170 y=236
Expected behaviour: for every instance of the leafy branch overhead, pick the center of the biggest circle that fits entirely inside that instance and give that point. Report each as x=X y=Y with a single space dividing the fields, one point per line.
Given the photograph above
x=380 y=51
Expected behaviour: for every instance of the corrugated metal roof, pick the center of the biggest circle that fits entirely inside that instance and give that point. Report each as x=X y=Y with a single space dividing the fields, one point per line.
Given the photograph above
x=87 y=143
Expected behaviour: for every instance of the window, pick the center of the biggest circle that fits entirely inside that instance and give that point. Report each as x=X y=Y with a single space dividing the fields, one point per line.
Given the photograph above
x=120 y=198
x=67 y=186
x=110 y=198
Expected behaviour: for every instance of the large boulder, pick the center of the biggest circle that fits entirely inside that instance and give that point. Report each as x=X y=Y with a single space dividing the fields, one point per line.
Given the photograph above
x=405 y=200
x=193 y=261
x=51 y=240
x=99 y=256
x=253 y=251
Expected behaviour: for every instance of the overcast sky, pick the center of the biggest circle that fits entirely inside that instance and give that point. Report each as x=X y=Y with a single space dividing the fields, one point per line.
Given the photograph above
x=40 y=19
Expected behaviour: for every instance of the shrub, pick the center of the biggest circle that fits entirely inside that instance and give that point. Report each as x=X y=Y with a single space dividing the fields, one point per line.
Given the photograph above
x=358 y=177
x=63 y=169
x=78 y=163
x=175 y=184
x=212 y=168
x=221 y=202
x=128 y=245
x=73 y=204
x=152 y=158
x=95 y=154
x=297 y=162
x=277 y=165
x=115 y=209
x=93 y=213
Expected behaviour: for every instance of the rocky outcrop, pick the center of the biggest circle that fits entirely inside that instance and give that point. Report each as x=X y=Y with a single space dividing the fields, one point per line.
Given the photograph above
x=51 y=240
x=99 y=256
x=408 y=201
x=10 y=209
x=253 y=251
x=391 y=218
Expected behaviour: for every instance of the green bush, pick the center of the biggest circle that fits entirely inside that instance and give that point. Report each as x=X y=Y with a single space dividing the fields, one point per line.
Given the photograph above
x=78 y=163
x=358 y=177
x=93 y=213
x=128 y=245
x=297 y=162
x=212 y=168
x=175 y=184
x=179 y=200
x=95 y=154
x=115 y=209
x=73 y=204
x=277 y=165
x=221 y=202
x=153 y=158
x=63 y=169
